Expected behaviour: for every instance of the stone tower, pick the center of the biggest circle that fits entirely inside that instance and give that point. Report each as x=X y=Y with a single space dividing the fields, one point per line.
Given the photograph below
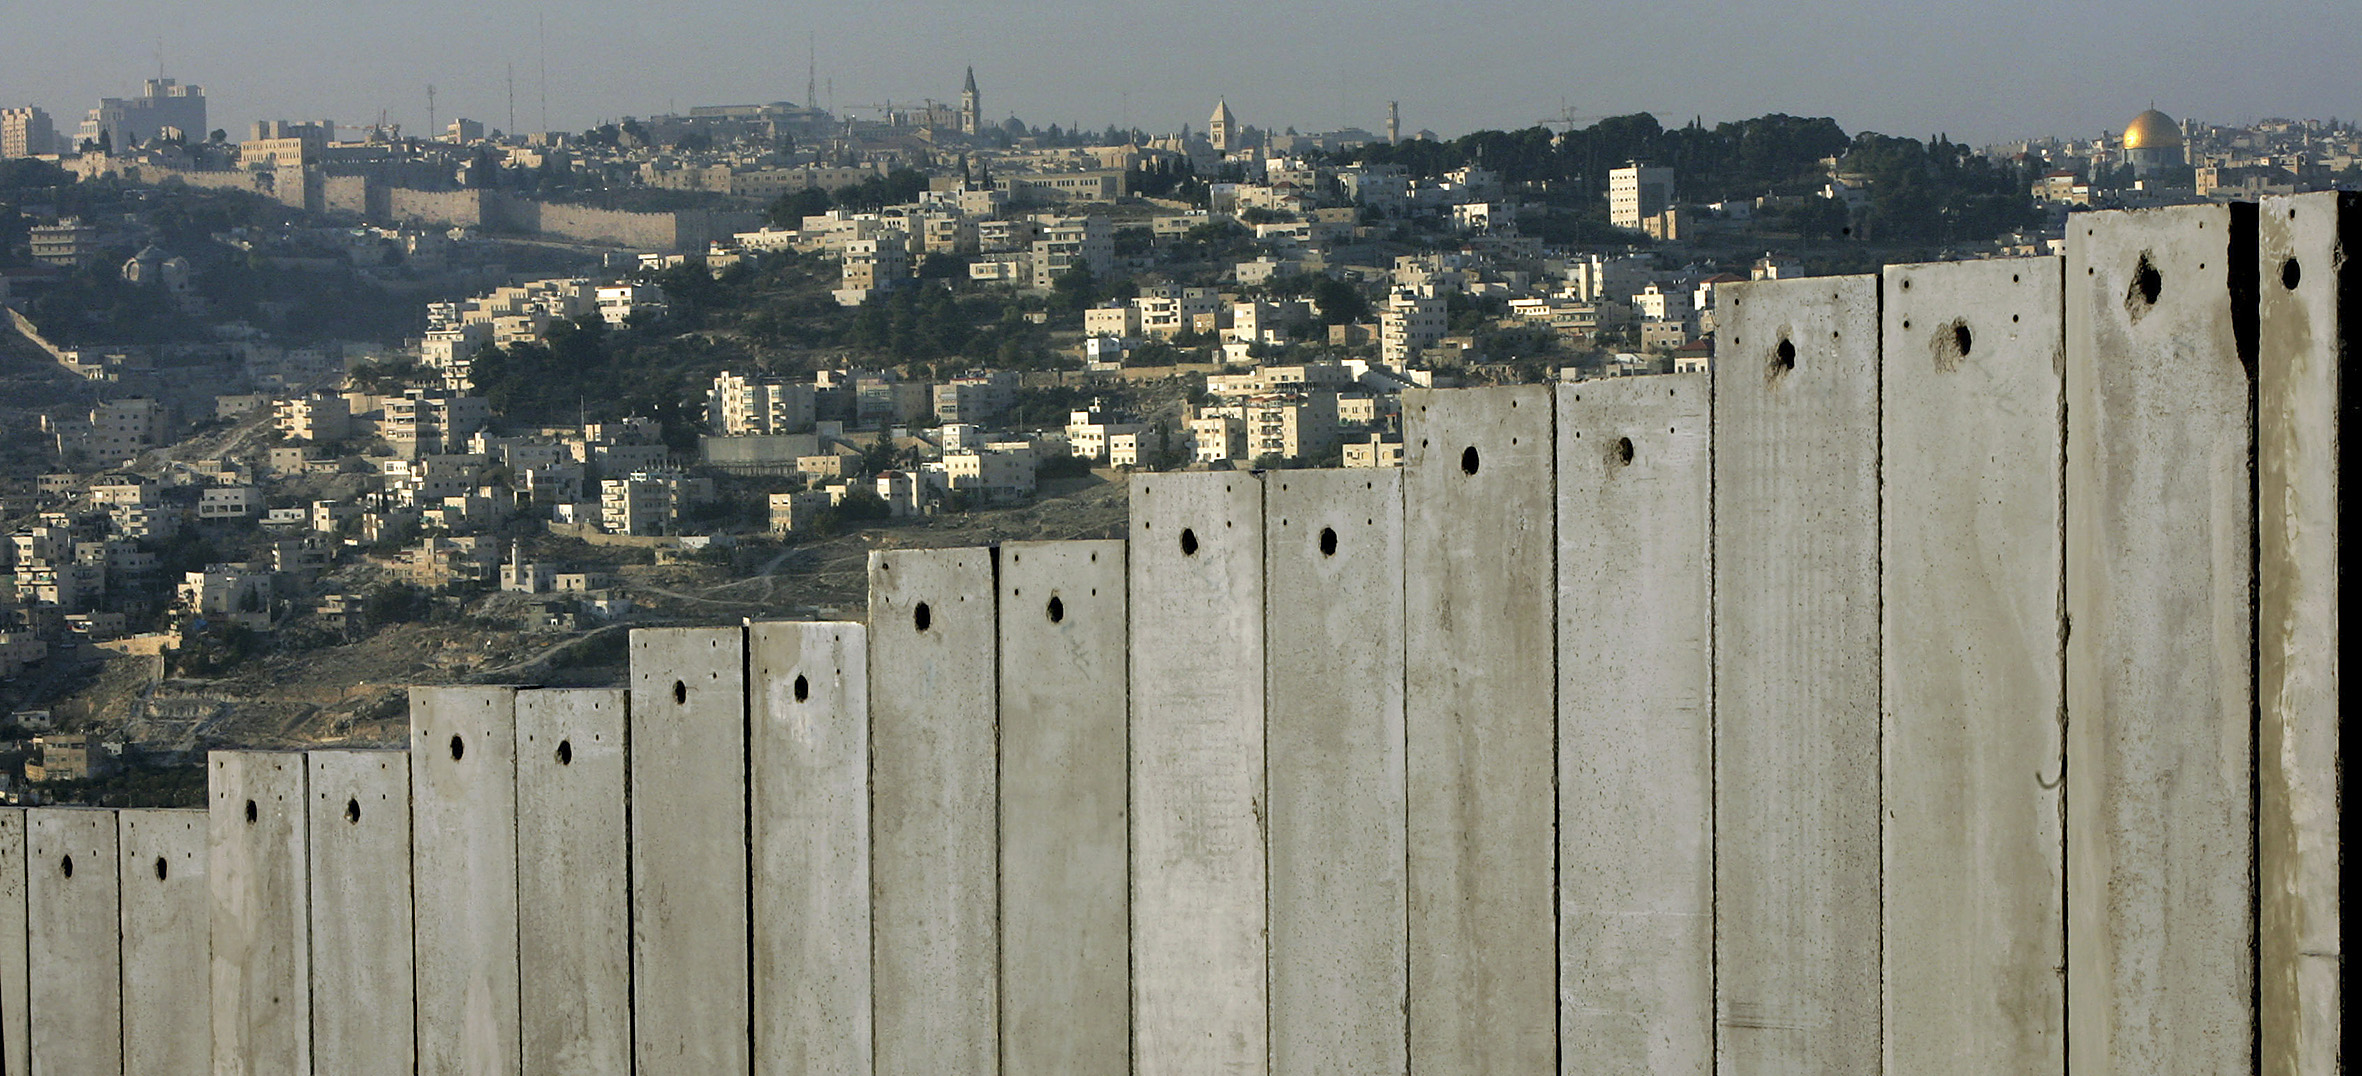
x=1222 y=130
x=971 y=106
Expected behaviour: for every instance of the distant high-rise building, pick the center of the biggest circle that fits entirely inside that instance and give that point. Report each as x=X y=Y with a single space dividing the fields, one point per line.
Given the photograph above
x=1637 y=192
x=26 y=132
x=2152 y=142
x=971 y=106
x=1393 y=122
x=1222 y=130
x=162 y=103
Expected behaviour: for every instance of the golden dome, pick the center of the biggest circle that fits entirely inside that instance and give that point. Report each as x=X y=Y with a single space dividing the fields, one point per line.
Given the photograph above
x=2152 y=130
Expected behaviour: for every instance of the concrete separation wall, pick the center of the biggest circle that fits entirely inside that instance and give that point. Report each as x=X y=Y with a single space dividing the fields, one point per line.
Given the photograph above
x=573 y=893
x=1065 y=962
x=934 y=900
x=1925 y=690
x=362 y=912
x=1796 y=676
x=2309 y=288
x=1635 y=727
x=810 y=780
x=2160 y=535
x=691 y=965
x=1973 y=440
x=165 y=946
x=1198 y=927
x=1335 y=757
x=1480 y=720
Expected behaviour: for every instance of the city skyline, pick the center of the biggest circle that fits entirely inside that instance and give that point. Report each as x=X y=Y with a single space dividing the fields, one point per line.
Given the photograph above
x=2032 y=77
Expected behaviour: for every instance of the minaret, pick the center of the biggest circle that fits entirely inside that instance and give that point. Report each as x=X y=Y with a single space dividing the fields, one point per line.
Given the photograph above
x=1222 y=130
x=1393 y=122
x=971 y=106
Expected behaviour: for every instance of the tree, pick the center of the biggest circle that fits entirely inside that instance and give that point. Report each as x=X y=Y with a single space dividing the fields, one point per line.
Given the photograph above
x=791 y=208
x=1340 y=303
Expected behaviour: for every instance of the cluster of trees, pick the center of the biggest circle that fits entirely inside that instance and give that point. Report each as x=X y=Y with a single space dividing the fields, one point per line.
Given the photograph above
x=1775 y=154
x=588 y=369
x=1920 y=191
x=1936 y=191
x=897 y=187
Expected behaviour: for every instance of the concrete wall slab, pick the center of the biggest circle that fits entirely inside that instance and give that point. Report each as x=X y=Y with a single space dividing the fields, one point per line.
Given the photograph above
x=167 y=1018
x=1196 y=611
x=810 y=755
x=690 y=942
x=2310 y=299
x=463 y=792
x=15 y=979
x=1065 y=955
x=1796 y=676
x=573 y=885
x=75 y=912
x=1635 y=727
x=2160 y=520
x=257 y=845
x=1480 y=719
x=1333 y=625
x=1973 y=428
x=362 y=976
x=934 y=898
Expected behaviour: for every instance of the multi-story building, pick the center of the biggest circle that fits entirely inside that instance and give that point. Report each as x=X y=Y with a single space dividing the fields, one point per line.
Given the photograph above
x=738 y=405
x=1217 y=434
x=1087 y=432
x=875 y=264
x=315 y=420
x=229 y=502
x=994 y=477
x=1302 y=426
x=619 y=303
x=122 y=428
x=67 y=243
x=649 y=502
x=1409 y=324
x=976 y=396
x=1068 y=243
x=451 y=350
x=163 y=105
x=26 y=132
x=238 y=593
x=421 y=422
x=793 y=512
x=1637 y=192
x=1381 y=450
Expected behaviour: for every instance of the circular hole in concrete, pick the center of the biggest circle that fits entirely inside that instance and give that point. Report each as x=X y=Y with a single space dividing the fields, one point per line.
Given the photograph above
x=1188 y=542
x=1624 y=450
x=680 y=693
x=66 y=865
x=922 y=617
x=1328 y=541
x=458 y=747
x=1784 y=356
x=352 y=812
x=163 y=868
x=565 y=752
x=1057 y=611
x=2290 y=274
x=1468 y=460
x=250 y=812
x=803 y=688
x=1961 y=338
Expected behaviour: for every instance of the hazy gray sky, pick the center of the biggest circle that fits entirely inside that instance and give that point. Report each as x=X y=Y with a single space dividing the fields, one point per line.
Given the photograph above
x=1994 y=70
